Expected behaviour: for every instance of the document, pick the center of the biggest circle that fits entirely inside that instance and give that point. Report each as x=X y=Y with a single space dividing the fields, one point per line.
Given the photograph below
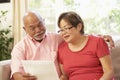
x=43 y=70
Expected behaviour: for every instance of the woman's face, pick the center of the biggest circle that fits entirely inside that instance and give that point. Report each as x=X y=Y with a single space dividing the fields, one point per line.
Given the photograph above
x=67 y=31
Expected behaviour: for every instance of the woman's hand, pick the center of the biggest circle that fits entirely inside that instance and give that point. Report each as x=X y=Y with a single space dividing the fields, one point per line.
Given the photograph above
x=63 y=77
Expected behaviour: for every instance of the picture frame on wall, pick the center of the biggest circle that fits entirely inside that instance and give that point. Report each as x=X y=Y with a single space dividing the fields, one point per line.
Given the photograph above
x=4 y=1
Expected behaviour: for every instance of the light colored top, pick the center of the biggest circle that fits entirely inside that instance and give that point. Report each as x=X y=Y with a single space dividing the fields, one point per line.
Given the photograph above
x=29 y=49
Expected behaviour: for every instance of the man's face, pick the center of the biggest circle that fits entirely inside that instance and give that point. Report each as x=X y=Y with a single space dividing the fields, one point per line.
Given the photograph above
x=35 y=28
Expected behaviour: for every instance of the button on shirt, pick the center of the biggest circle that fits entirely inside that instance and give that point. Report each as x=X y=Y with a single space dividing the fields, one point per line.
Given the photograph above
x=29 y=49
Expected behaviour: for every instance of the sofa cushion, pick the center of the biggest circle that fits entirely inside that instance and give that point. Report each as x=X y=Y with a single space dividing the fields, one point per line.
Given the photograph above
x=5 y=70
x=115 y=56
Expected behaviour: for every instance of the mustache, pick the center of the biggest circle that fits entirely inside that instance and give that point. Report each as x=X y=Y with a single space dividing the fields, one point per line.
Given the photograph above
x=39 y=33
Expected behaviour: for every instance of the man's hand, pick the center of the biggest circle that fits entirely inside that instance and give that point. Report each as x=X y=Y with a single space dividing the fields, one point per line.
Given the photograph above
x=109 y=39
x=26 y=76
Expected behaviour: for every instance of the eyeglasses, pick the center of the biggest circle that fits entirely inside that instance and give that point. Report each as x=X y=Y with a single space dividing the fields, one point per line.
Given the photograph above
x=65 y=29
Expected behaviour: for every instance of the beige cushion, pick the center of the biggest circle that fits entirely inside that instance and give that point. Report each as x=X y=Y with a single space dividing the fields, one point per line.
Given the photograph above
x=5 y=70
x=115 y=55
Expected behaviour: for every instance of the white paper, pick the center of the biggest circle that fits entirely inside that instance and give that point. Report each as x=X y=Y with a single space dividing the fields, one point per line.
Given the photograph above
x=43 y=70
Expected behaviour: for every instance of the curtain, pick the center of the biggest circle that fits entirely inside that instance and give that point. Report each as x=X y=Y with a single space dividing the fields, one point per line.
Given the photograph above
x=19 y=7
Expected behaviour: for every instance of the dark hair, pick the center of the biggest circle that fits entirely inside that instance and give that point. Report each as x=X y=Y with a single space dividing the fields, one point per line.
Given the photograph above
x=73 y=18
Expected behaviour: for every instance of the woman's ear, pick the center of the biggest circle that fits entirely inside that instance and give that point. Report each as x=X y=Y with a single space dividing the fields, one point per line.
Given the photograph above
x=79 y=27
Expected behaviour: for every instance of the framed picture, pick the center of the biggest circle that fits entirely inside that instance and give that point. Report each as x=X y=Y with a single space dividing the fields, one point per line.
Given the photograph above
x=4 y=1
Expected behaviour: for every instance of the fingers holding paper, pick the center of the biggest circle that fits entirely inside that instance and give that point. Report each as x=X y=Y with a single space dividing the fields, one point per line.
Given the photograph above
x=29 y=77
x=25 y=76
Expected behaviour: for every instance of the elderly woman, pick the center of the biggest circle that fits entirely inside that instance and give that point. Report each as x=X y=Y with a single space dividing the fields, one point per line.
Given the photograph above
x=82 y=57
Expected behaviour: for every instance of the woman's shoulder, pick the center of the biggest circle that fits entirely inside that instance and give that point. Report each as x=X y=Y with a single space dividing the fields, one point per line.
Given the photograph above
x=63 y=44
x=95 y=37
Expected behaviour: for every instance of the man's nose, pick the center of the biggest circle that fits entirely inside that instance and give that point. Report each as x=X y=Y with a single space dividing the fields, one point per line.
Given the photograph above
x=38 y=29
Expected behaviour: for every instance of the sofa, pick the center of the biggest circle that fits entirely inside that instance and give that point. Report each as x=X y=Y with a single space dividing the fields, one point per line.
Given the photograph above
x=5 y=70
x=115 y=56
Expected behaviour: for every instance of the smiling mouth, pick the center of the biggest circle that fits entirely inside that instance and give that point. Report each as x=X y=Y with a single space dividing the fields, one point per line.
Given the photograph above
x=40 y=34
x=65 y=37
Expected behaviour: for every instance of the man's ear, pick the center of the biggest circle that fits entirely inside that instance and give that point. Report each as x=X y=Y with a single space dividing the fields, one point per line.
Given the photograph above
x=24 y=28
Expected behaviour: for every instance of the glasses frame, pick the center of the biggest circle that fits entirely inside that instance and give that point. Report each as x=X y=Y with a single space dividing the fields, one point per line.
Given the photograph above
x=65 y=29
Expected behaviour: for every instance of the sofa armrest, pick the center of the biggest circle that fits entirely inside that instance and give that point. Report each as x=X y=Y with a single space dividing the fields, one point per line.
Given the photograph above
x=5 y=70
